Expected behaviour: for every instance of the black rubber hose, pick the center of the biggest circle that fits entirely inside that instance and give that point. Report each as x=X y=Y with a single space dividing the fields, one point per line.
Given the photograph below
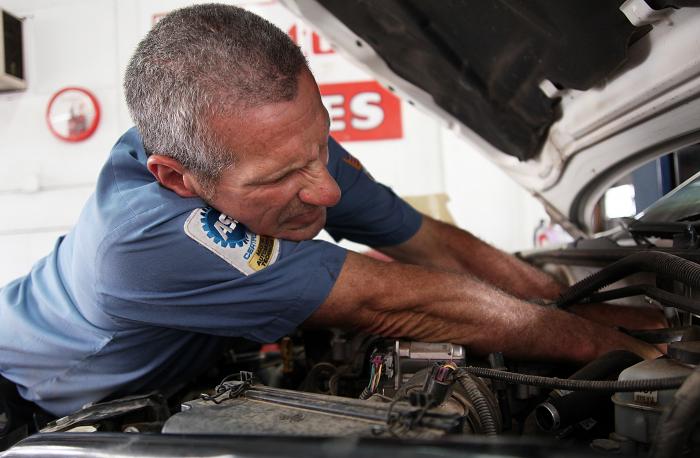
x=566 y=408
x=678 y=420
x=478 y=400
x=577 y=385
x=669 y=299
x=657 y=262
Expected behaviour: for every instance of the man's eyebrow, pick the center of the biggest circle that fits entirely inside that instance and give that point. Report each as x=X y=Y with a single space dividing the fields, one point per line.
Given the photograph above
x=281 y=173
x=276 y=175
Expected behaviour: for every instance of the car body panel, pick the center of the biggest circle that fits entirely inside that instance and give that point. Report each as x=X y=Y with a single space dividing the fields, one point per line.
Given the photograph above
x=646 y=107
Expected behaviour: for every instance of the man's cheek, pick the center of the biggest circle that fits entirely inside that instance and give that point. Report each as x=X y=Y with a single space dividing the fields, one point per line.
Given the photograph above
x=254 y=209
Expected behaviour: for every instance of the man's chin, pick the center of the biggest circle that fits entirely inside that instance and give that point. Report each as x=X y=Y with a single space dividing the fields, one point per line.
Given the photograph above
x=299 y=234
x=305 y=232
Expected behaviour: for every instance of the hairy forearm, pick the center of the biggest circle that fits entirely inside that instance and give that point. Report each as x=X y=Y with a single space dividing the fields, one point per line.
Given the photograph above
x=398 y=300
x=446 y=247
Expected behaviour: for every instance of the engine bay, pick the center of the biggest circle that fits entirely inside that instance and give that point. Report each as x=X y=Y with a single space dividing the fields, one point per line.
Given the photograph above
x=336 y=384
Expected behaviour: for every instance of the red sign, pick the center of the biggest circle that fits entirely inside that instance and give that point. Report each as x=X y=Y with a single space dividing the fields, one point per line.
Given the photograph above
x=319 y=46
x=362 y=111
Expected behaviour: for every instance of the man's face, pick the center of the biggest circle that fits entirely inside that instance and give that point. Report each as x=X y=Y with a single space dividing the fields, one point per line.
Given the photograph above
x=279 y=184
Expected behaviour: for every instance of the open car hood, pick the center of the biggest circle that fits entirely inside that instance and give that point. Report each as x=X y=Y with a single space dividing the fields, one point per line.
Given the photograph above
x=566 y=97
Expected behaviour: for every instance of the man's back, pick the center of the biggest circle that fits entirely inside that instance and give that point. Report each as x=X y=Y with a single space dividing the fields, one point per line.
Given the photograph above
x=136 y=295
x=54 y=325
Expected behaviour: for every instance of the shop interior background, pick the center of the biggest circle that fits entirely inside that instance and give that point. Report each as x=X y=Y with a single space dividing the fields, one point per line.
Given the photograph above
x=44 y=180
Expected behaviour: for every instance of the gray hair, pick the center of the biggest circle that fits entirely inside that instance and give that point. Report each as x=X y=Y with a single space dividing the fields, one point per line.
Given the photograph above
x=200 y=62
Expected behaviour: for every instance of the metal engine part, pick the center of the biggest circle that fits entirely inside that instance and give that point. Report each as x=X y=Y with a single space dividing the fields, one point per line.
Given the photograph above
x=429 y=371
x=404 y=359
x=257 y=409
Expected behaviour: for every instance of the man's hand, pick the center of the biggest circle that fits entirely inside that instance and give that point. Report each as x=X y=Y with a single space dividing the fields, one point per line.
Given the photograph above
x=401 y=300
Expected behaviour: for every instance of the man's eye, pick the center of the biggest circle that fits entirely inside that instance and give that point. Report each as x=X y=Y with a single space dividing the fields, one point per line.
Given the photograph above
x=282 y=178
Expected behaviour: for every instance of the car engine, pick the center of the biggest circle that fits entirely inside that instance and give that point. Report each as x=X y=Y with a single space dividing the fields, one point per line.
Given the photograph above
x=336 y=384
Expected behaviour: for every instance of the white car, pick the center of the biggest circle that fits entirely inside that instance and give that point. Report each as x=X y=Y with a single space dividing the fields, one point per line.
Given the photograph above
x=571 y=98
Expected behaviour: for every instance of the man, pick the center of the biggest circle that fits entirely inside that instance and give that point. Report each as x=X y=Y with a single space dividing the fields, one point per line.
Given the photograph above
x=201 y=227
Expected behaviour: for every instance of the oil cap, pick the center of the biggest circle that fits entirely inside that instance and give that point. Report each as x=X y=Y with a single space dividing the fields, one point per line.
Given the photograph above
x=685 y=352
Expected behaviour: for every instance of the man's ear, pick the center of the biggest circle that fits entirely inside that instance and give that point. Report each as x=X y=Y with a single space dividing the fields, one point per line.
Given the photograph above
x=172 y=175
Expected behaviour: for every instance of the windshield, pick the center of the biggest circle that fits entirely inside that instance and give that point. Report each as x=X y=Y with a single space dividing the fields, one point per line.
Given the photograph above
x=680 y=205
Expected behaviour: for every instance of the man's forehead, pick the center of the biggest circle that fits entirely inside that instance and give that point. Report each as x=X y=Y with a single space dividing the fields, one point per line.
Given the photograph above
x=262 y=134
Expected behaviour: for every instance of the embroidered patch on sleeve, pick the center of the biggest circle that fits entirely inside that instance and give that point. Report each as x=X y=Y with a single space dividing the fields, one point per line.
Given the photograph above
x=355 y=163
x=352 y=161
x=232 y=241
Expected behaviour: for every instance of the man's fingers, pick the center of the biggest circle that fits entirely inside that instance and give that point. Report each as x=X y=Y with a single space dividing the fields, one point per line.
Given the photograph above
x=628 y=317
x=662 y=347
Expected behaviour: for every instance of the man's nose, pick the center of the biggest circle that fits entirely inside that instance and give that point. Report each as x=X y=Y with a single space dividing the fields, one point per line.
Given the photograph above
x=321 y=190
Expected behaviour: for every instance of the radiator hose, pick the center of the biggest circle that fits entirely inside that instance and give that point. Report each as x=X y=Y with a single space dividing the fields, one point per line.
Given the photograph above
x=564 y=408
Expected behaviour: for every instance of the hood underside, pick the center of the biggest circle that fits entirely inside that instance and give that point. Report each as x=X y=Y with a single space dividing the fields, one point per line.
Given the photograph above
x=565 y=96
x=483 y=62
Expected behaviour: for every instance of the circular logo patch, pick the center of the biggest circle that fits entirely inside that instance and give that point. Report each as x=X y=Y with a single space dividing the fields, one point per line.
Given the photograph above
x=225 y=231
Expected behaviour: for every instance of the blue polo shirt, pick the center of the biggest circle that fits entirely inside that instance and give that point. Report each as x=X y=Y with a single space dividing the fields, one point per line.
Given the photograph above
x=138 y=293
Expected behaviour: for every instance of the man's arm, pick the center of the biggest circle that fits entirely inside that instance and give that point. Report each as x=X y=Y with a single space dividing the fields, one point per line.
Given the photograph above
x=402 y=300
x=447 y=247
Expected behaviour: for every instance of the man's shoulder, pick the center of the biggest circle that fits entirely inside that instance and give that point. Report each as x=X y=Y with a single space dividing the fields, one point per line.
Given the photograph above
x=128 y=197
x=130 y=144
x=148 y=253
x=130 y=212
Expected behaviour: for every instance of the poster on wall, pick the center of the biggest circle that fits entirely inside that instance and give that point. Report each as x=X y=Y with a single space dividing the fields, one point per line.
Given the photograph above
x=73 y=114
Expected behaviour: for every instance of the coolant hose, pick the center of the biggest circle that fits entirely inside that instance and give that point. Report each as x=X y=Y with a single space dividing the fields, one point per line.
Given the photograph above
x=577 y=385
x=478 y=400
x=679 y=419
x=657 y=262
x=564 y=408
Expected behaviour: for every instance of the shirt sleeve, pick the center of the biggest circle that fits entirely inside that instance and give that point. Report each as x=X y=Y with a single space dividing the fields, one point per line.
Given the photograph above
x=245 y=285
x=368 y=212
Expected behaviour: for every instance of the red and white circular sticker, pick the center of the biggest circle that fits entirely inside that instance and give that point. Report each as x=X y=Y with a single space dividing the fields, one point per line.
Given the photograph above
x=73 y=114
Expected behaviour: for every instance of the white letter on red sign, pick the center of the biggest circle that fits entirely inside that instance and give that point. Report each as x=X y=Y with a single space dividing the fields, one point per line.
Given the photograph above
x=336 y=111
x=367 y=111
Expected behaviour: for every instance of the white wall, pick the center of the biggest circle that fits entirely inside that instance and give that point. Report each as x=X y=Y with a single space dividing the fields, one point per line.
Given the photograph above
x=44 y=181
x=484 y=200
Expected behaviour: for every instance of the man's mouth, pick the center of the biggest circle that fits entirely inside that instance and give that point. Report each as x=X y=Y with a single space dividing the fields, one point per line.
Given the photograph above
x=306 y=218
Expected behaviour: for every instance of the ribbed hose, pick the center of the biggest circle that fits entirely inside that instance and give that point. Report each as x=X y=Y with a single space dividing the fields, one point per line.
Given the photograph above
x=366 y=394
x=480 y=403
x=669 y=299
x=577 y=385
x=678 y=420
x=657 y=262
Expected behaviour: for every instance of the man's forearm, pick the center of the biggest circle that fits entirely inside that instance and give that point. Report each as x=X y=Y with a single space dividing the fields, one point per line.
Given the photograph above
x=446 y=247
x=398 y=300
x=506 y=271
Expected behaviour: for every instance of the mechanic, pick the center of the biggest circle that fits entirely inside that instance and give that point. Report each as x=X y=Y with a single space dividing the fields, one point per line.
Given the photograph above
x=201 y=227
